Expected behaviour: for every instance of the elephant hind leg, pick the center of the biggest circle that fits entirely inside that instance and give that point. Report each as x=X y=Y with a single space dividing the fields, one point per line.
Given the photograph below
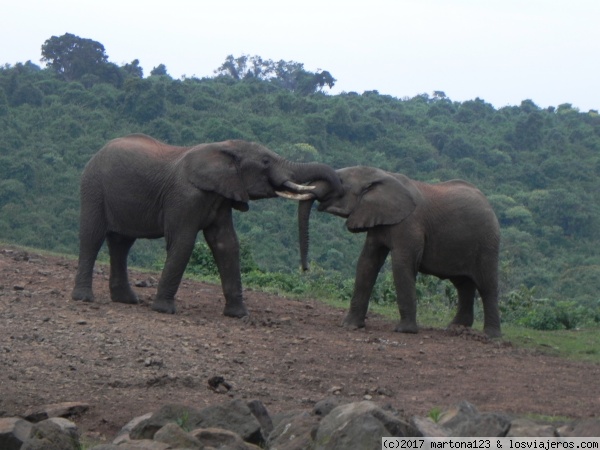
x=92 y=232
x=466 y=299
x=491 y=312
x=118 y=248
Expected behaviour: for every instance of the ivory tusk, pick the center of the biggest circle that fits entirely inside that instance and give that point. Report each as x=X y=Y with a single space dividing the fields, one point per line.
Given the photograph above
x=298 y=187
x=295 y=196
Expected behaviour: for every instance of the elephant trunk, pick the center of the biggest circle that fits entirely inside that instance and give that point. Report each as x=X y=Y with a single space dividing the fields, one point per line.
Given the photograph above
x=310 y=172
x=304 y=209
x=325 y=182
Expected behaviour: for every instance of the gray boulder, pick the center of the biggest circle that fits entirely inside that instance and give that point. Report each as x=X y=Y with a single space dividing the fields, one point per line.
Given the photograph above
x=582 y=428
x=234 y=416
x=183 y=415
x=52 y=435
x=466 y=420
x=221 y=439
x=295 y=432
x=358 y=426
x=13 y=432
x=174 y=435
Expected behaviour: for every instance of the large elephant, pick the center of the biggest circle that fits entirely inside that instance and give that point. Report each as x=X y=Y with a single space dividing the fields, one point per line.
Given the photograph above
x=137 y=187
x=446 y=229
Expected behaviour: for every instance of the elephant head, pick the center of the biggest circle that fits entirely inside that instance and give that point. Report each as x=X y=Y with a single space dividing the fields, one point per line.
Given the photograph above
x=370 y=197
x=243 y=171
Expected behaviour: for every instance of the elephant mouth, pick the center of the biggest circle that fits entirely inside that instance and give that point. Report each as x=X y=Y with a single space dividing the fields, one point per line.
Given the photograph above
x=295 y=191
x=335 y=210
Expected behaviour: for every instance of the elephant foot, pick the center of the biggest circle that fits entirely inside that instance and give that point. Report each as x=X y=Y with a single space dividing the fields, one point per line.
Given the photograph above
x=462 y=321
x=352 y=323
x=407 y=327
x=124 y=295
x=237 y=311
x=164 y=306
x=492 y=332
x=82 y=295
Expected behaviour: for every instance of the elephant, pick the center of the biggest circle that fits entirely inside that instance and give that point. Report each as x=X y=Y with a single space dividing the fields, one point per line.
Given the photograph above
x=446 y=229
x=137 y=187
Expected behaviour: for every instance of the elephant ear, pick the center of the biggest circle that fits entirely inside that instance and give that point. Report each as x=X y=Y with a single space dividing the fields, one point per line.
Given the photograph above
x=385 y=201
x=216 y=168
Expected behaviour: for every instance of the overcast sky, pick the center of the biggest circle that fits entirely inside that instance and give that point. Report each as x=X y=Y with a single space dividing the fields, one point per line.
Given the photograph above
x=502 y=51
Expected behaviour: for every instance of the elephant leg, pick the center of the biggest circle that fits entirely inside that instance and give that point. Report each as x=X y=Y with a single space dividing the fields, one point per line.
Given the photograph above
x=179 y=249
x=491 y=312
x=369 y=264
x=118 y=249
x=92 y=231
x=466 y=299
x=405 y=277
x=223 y=242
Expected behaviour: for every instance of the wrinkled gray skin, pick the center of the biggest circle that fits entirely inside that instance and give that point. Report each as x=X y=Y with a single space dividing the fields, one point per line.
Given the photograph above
x=136 y=187
x=447 y=229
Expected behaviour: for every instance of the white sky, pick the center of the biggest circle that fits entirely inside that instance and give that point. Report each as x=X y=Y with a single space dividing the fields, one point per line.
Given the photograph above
x=502 y=51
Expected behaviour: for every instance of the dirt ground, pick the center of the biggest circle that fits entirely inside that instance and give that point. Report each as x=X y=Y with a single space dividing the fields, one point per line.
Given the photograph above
x=127 y=360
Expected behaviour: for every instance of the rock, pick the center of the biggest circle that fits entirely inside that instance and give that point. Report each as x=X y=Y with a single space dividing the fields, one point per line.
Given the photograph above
x=455 y=416
x=466 y=420
x=66 y=409
x=66 y=426
x=123 y=434
x=13 y=432
x=181 y=414
x=219 y=438
x=583 y=428
x=233 y=416
x=219 y=385
x=142 y=444
x=295 y=432
x=488 y=424
x=425 y=427
x=48 y=435
x=259 y=411
x=355 y=432
x=173 y=435
x=357 y=425
x=325 y=406
x=529 y=428
x=231 y=425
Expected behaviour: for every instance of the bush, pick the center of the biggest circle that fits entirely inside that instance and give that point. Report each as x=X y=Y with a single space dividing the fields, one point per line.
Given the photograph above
x=203 y=263
x=548 y=315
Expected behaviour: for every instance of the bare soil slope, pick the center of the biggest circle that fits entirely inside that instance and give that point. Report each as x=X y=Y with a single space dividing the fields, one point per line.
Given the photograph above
x=127 y=360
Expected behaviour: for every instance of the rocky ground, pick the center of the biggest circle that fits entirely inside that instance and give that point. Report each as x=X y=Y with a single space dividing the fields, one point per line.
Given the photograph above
x=127 y=360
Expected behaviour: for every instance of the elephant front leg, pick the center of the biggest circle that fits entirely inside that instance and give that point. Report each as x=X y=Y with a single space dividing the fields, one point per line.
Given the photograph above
x=369 y=264
x=225 y=247
x=406 y=296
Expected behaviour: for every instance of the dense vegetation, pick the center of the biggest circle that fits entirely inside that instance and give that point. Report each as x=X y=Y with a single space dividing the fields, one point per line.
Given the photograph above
x=539 y=167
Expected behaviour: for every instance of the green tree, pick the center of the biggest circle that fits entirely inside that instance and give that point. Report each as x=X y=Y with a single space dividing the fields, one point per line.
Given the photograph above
x=71 y=57
x=158 y=71
x=134 y=69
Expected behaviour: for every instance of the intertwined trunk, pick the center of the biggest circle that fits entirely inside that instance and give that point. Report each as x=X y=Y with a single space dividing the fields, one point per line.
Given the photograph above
x=304 y=209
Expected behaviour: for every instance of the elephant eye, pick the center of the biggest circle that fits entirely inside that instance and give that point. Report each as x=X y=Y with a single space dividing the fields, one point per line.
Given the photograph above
x=266 y=162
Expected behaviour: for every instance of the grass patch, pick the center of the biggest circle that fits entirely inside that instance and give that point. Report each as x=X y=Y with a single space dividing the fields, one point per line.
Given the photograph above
x=582 y=344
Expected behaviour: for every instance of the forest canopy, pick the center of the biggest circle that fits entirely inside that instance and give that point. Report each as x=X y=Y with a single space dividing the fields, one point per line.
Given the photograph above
x=539 y=167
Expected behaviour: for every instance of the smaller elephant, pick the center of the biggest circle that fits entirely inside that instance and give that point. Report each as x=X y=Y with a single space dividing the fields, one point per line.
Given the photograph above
x=137 y=187
x=446 y=229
